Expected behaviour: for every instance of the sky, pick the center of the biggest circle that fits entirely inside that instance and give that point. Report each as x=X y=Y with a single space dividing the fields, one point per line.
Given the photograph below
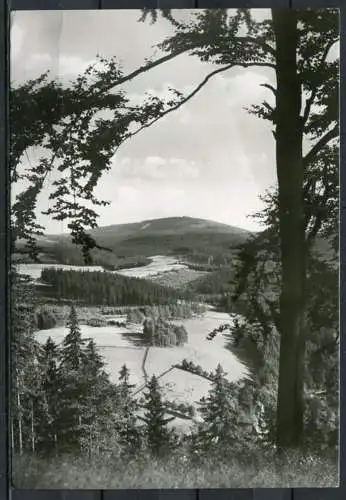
x=210 y=159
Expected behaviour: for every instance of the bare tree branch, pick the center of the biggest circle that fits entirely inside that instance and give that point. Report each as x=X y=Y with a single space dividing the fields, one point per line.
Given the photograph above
x=143 y=69
x=270 y=87
x=331 y=134
x=163 y=59
x=194 y=92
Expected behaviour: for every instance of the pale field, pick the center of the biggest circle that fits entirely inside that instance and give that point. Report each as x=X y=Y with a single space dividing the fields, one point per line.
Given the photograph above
x=118 y=347
x=34 y=270
x=159 y=264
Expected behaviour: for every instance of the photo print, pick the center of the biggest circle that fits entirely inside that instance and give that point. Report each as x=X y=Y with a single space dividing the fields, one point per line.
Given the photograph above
x=175 y=255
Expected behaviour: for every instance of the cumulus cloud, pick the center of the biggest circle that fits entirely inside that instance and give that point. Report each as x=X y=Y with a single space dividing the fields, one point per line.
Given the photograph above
x=73 y=65
x=157 y=169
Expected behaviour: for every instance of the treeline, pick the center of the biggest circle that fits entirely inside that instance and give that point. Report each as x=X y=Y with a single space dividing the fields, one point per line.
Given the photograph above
x=123 y=263
x=178 y=310
x=96 y=288
x=214 y=283
x=191 y=367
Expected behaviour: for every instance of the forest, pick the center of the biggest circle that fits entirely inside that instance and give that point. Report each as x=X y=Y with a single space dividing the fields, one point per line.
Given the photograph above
x=101 y=288
x=277 y=428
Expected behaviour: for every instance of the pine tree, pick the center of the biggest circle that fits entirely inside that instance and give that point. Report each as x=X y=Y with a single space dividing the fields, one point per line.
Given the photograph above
x=72 y=351
x=129 y=435
x=73 y=395
x=51 y=386
x=96 y=394
x=218 y=412
x=157 y=433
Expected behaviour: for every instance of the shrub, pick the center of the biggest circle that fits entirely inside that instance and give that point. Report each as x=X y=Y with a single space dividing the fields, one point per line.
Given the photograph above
x=96 y=322
x=45 y=319
x=135 y=316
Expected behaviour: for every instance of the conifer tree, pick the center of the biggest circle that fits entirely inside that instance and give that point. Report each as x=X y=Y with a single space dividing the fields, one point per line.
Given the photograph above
x=50 y=388
x=128 y=430
x=218 y=412
x=73 y=396
x=96 y=391
x=157 y=433
x=72 y=351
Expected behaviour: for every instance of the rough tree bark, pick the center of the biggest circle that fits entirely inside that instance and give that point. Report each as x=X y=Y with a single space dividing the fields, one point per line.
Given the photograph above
x=289 y=163
x=20 y=433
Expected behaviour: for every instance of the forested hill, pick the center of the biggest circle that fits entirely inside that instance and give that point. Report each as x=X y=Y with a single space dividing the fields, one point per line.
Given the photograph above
x=99 y=288
x=196 y=239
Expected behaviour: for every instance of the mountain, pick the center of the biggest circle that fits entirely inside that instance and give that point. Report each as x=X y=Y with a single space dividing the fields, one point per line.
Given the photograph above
x=167 y=226
x=196 y=239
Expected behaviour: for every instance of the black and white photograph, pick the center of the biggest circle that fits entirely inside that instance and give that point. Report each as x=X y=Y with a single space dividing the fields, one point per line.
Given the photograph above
x=174 y=311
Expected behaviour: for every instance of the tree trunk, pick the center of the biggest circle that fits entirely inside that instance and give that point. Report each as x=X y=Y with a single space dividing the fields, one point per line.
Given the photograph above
x=20 y=431
x=56 y=443
x=289 y=163
x=12 y=437
x=32 y=428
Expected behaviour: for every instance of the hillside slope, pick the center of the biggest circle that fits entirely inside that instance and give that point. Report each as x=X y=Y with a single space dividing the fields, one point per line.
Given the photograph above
x=196 y=239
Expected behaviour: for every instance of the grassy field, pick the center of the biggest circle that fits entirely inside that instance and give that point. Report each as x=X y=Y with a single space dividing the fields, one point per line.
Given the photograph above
x=254 y=471
x=119 y=345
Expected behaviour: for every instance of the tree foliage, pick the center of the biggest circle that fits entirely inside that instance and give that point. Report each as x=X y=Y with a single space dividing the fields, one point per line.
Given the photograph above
x=77 y=128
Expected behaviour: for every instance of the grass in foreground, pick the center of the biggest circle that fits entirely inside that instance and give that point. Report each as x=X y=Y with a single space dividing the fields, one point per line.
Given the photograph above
x=106 y=473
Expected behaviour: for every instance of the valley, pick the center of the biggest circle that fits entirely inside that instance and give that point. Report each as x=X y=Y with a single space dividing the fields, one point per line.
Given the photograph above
x=122 y=345
x=109 y=323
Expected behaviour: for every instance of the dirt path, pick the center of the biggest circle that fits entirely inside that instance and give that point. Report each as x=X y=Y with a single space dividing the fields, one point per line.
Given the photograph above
x=158 y=377
x=143 y=364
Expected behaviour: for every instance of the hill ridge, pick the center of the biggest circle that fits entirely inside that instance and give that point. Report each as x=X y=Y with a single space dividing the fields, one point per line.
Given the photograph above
x=164 y=220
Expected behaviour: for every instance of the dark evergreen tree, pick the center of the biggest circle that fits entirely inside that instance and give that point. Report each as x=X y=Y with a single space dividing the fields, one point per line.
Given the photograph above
x=51 y=387
x=218 y=409
x=72 y=351
x=158 y=435
x=97 y=393
x=74 y=393
x=129 y=433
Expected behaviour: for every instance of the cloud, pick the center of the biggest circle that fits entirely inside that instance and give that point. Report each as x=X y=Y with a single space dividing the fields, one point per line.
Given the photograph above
x=17 y=35
x=38 y=60
x=157 y=169
x=73 y=65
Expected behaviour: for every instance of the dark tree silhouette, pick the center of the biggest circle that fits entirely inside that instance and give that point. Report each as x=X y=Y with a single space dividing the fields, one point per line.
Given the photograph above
x=157 y=432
